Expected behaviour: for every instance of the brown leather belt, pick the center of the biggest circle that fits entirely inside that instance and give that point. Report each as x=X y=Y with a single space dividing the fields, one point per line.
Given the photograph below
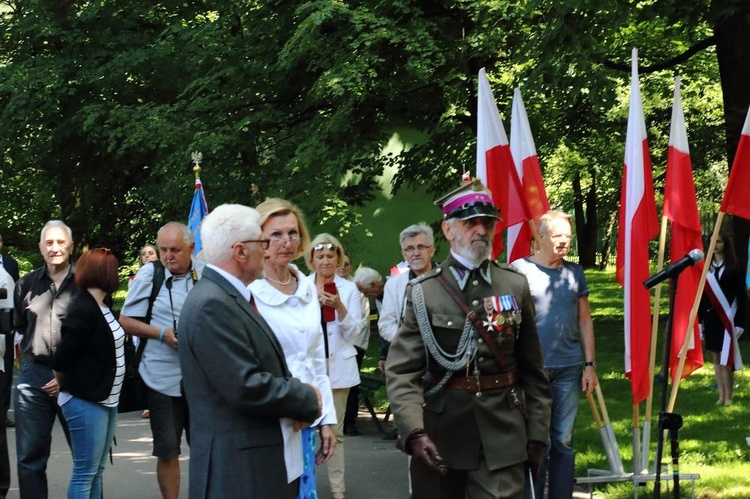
x=490 y=382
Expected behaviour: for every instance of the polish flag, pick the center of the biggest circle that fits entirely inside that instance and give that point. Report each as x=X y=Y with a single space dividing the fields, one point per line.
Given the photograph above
x=681 y=208
x=495 y=168
x=527 y=166
x=638 y=225
x=736 y=201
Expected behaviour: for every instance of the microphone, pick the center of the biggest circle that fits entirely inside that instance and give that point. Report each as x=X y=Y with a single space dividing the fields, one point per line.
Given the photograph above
x=674 y=269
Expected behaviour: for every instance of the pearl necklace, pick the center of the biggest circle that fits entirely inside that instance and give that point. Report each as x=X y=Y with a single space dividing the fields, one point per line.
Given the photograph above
x=280 y=283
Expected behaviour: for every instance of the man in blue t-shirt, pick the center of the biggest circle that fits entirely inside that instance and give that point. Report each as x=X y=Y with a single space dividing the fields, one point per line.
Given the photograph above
x=565 y=327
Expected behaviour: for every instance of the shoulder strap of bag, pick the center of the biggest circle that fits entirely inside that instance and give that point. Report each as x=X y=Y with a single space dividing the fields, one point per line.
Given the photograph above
x=156 y=283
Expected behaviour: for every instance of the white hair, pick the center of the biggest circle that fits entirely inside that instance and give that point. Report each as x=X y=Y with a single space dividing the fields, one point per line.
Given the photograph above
x=224 y=226
x=56 y=223
x=367 y=276
x=187 y=234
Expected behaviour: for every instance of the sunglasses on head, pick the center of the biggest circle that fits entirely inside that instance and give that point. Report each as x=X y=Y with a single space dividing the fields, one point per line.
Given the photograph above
x=324 y=246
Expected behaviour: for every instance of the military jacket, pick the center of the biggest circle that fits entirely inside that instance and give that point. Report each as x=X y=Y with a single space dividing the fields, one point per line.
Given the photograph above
x=462 y=423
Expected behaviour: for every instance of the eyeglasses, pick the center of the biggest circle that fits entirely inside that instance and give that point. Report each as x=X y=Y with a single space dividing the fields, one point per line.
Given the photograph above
x=292 y=237
x=264 y=243
x=325 y=246
x=419 y=247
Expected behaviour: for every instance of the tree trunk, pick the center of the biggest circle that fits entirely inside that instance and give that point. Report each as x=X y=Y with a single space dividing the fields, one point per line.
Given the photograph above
x=733 y=53
x=585 y=220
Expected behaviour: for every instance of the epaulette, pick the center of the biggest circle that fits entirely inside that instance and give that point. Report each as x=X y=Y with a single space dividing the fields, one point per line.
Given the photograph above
x=433 y=272
x=506 y=266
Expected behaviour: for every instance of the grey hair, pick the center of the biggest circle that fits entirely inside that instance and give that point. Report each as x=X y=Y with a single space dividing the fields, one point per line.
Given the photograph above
x=56 y=223
x=415 y=230
x=367 y=276
x=187 y=235
x=552 y=215
x=226 y=225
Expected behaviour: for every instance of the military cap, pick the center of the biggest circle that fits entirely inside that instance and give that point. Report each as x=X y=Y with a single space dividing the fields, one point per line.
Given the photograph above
x=471 y=200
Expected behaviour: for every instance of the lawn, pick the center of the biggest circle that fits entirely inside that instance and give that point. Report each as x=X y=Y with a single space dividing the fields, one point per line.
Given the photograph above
x=712 y=439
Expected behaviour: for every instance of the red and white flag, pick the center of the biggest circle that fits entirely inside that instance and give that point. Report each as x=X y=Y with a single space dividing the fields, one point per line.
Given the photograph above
x=681 y=208
x=638 y=225
x=495 y=168
x=736 y=201
x=527 y=166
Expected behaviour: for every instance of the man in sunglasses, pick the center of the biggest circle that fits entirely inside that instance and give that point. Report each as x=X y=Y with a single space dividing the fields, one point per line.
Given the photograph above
x=465 y=374
x=160 y=363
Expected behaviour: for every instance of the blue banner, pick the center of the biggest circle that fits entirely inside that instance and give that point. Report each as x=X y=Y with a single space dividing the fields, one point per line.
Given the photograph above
x=198 y=210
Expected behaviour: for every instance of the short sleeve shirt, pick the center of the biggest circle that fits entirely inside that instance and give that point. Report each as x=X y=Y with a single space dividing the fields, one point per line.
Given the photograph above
x=160 y=364
x=556 y=292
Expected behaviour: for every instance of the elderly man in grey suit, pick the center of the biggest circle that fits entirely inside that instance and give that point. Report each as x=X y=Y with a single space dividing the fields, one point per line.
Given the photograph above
x=235 y=377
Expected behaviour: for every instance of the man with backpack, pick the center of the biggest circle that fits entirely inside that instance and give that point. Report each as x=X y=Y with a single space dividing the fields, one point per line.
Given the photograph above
x=153 y=316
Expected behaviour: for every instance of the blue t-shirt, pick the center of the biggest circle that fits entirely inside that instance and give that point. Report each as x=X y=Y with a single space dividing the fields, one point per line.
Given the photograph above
x=556 y=292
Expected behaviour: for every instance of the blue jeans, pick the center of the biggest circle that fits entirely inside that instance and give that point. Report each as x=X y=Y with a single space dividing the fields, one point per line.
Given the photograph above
x=35 y=416
x=92 y=427
x=559 y=457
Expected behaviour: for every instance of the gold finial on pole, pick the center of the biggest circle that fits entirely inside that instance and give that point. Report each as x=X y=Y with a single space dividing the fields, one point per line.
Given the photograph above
x=197 y=158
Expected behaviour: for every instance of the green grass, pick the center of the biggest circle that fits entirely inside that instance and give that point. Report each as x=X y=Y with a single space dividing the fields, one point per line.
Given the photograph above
x=712 y=439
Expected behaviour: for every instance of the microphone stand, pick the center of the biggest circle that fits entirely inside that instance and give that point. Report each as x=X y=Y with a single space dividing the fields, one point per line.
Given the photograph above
x=667 y=420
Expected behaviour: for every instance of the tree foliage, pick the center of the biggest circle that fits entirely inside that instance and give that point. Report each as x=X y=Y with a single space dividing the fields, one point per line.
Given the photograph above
x=102 y=102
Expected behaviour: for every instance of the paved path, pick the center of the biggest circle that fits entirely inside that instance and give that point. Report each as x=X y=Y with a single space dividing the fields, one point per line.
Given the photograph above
x=374 y=468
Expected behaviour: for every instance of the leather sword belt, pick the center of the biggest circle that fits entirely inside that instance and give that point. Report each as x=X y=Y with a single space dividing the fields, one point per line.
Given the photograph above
x=476 y=384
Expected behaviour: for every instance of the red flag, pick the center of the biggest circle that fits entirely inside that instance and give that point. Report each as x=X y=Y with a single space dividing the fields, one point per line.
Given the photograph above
x=681 y=208
x=527 y=166
x=638 y=225
x=495 y=166
x=736 y=201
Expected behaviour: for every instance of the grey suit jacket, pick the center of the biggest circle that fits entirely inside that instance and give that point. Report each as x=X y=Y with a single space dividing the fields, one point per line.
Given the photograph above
x=237 y=386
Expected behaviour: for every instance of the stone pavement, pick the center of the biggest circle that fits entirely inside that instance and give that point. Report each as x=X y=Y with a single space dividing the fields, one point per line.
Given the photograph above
x=374 y=468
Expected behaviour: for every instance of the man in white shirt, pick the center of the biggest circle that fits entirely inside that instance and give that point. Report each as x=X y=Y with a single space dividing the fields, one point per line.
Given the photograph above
x=417 y=247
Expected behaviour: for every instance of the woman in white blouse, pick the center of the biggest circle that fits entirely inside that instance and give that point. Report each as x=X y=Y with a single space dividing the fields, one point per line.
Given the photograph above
x=289 y=304
x=341 y=318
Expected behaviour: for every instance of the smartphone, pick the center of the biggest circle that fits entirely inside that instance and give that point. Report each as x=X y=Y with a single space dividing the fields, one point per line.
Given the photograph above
x=329 y=313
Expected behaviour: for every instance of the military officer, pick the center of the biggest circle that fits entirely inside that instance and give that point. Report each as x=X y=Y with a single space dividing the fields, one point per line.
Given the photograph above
x=465 y=374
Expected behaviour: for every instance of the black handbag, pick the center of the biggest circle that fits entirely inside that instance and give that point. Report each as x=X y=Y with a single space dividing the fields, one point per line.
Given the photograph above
x=134 y=394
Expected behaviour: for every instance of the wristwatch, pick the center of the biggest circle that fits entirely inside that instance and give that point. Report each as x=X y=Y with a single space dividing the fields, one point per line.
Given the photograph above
x=591 y=364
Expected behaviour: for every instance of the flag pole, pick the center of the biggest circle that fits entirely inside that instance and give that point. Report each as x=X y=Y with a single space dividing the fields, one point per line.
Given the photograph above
x=652 y=355
x=535 y=234
x=636 y=438
x=694 y=312
x=616 y=464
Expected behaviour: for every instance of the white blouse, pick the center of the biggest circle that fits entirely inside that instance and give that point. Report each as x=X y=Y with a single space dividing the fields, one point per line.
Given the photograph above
x=342 y=356
x=295 y=320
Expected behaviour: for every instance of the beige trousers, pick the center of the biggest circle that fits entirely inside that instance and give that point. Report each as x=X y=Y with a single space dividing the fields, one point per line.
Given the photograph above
x=336 y=463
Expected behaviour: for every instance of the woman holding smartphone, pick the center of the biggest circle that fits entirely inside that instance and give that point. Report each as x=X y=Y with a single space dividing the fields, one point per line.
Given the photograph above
x=341 y=319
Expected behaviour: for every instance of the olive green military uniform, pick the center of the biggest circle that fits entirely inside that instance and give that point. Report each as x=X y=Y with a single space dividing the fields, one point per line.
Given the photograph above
x=481 y=431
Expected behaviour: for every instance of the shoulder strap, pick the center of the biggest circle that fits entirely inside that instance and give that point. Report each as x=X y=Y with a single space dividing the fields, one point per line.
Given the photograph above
x=476 y=322
x=156 y=282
